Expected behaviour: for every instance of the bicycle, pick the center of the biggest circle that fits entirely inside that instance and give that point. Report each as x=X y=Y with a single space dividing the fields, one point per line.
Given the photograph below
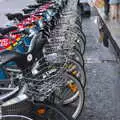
x=46 y=88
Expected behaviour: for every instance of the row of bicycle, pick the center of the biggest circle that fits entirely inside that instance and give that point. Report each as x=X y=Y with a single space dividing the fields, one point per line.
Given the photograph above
x=41 y=60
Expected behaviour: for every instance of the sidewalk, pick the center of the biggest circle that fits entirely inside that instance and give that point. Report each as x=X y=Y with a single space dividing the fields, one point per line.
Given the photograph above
x=113 y=29
x=103 y=74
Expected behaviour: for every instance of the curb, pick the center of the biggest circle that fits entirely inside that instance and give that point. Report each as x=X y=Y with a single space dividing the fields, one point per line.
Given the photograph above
x=108 y=33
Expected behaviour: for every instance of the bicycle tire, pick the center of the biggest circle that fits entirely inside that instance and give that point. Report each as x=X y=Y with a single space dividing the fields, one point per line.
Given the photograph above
x=82 y=79
x=79 y=43
x=80 y=60
x=81 y=33
x=79 y=57
x=80 y=98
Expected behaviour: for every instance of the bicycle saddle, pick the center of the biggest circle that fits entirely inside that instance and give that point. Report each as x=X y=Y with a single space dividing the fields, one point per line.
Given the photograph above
x=5 y=31
x=28 y=10
x=24 y=17
x=39 y=1
x=34 y=6
x=12 y=16
x=21 y=32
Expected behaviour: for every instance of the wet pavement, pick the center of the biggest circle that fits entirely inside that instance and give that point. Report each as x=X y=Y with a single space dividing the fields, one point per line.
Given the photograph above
x=103 y=78
x=103 y=71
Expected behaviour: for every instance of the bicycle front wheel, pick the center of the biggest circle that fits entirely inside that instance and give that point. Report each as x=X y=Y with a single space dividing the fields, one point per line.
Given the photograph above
x=70 y=97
